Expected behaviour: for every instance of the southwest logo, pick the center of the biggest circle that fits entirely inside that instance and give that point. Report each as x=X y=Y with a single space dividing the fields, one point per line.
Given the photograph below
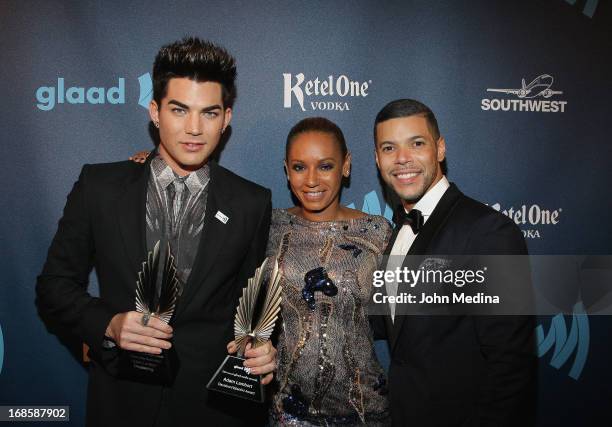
x=529 y=97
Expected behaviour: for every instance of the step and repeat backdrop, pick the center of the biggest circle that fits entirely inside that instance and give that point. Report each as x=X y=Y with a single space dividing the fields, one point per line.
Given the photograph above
x=521 y=90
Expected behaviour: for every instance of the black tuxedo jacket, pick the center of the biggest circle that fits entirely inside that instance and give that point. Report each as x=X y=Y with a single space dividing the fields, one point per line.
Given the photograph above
x=461 y=370
x=103 y=226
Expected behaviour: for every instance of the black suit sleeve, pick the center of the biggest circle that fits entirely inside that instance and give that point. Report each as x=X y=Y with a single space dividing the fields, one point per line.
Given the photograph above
x=508 y=395
x=61 y=289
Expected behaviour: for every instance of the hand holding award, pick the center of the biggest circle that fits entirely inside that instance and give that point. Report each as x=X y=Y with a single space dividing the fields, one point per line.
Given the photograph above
x=157 y=300
x=232 y=377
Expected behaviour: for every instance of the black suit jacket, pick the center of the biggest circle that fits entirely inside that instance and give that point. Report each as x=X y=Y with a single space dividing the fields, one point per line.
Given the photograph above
x=462 y=370
x=103 y=226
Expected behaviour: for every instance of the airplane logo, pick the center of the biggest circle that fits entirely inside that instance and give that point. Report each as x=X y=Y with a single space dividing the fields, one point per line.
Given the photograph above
x=540 y=86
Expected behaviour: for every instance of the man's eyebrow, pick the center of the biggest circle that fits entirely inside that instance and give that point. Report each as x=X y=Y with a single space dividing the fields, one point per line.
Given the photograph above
x=186 y=107
x=178 y=104
x=412 y=138
x=211 y=108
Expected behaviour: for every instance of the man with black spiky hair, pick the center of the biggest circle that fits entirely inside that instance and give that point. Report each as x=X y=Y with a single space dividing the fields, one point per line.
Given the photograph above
x=216 y=224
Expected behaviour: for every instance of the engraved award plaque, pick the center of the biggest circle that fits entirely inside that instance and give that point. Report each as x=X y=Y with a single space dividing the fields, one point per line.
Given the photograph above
x=159 y=300
x=232 y=377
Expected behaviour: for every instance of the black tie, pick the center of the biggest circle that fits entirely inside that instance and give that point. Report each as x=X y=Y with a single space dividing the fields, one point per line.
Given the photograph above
x=414 y=218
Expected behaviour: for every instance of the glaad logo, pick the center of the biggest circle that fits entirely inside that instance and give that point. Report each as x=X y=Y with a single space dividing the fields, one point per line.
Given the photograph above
x=576 y=342
x=540 y=87
x=49 y=96
x=322 y=89
x=527 y=216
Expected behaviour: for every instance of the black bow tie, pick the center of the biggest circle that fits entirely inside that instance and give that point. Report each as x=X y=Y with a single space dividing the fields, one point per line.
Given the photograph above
x=414 y=218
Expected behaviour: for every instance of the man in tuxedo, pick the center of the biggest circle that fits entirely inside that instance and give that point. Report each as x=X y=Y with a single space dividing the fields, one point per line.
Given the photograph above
x=452 y=370
x=216 y=224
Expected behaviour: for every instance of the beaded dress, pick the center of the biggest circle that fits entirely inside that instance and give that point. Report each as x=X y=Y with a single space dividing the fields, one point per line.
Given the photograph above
x=328 y=373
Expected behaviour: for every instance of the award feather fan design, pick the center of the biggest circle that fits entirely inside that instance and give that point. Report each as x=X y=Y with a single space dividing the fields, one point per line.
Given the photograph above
x=244 y=332
x=151 y=299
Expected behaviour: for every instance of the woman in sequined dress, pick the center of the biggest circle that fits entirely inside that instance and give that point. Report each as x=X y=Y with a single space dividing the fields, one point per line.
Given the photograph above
x=327 y=373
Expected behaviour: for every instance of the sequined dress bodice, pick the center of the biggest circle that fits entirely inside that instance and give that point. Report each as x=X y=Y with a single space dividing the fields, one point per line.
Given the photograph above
x=328 y=373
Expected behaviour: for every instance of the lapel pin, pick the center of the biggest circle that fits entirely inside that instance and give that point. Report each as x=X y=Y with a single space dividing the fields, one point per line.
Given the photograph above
x=221 y=217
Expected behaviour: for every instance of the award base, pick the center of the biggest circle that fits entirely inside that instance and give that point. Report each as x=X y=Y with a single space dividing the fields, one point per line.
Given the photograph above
x=148 y=368
x=231 y=378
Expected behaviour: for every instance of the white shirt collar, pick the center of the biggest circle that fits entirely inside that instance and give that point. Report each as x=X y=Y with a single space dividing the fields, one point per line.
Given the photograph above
x=430 y=200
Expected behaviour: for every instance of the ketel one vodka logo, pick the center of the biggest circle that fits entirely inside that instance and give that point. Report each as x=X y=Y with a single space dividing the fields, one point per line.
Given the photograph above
x=529 y=217
x=533 y=96
x=330 y=93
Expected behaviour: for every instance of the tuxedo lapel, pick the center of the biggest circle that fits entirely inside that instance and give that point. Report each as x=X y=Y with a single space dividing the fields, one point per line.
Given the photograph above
x=392 y=239
x=421 y=244
x=131 y=213
x=211 y=239
x=435 y=222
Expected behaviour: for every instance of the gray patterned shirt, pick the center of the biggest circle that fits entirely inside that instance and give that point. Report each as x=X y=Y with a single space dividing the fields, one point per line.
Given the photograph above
x=175 y=213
